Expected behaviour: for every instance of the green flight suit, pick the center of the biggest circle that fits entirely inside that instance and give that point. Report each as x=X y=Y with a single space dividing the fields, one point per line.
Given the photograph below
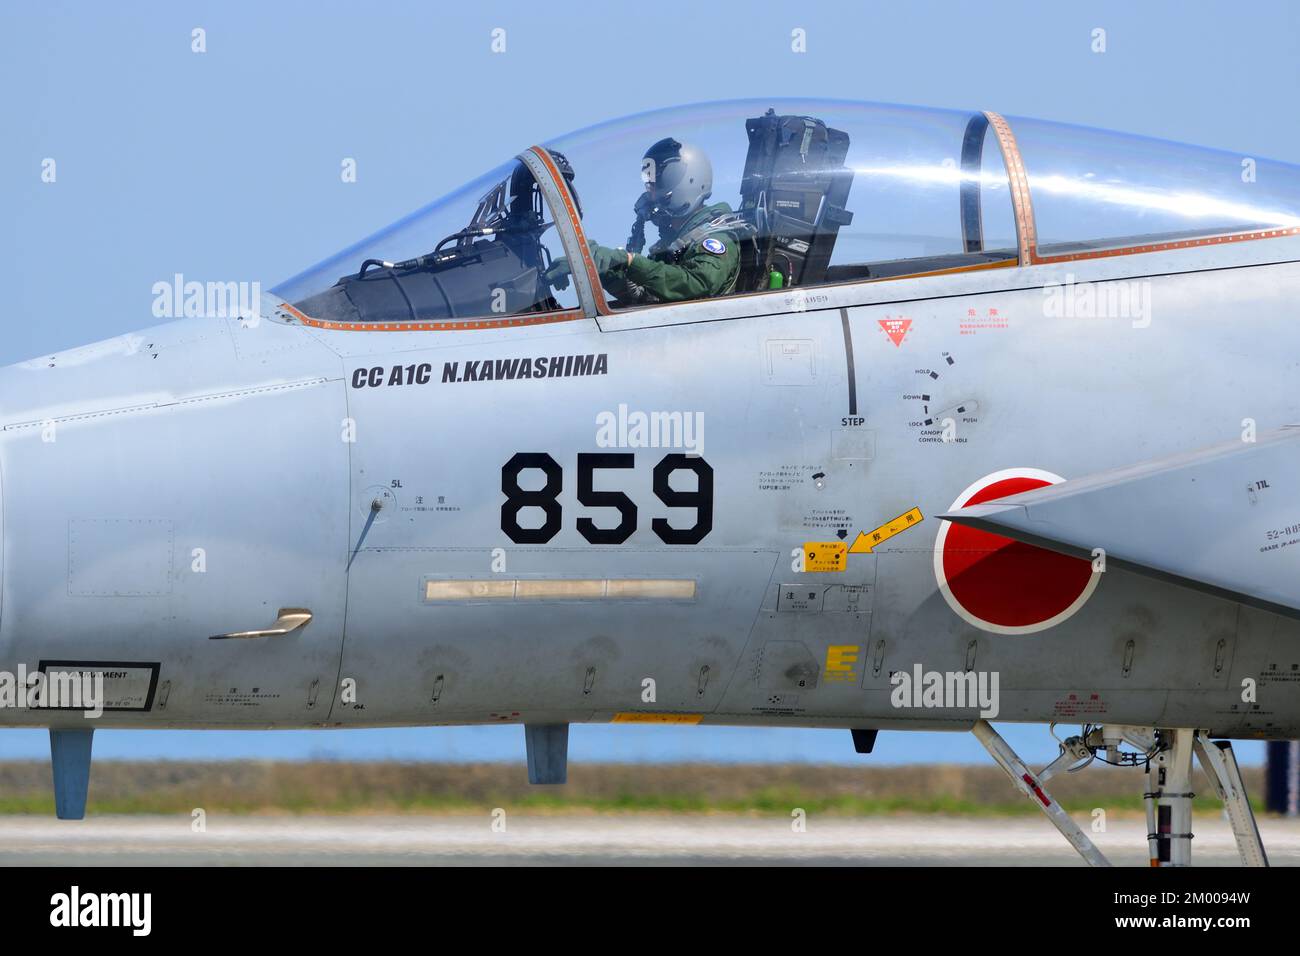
x=706 y=266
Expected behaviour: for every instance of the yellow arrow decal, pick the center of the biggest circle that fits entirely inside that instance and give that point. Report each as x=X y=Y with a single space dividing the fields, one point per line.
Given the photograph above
x=867 y=540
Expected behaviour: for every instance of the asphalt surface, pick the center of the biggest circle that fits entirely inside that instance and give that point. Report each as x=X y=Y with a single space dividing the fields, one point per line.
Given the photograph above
x=634 y=839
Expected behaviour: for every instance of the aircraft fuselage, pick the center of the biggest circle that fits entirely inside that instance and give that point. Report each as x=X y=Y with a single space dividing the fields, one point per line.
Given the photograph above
x=613 y=517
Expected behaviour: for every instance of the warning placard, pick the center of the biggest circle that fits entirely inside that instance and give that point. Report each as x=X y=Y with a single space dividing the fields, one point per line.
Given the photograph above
x=825 y=556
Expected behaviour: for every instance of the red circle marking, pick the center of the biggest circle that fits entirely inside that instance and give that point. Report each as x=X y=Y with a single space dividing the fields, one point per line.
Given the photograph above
x=1008 y=583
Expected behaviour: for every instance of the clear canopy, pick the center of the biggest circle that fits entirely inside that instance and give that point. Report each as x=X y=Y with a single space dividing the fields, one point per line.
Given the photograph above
x=883 y=198
x=1093 y=187
x=479 y=252
x=809 y=192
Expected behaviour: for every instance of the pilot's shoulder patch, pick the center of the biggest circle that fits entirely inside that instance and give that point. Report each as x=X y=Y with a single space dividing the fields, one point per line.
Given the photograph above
x=715 y=246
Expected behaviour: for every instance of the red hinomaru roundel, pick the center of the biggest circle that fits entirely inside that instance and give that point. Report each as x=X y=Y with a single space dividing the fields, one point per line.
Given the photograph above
x=1001 y=585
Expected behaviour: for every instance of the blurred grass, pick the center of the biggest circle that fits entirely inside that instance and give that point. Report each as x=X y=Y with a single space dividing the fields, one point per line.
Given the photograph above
x=265 y=787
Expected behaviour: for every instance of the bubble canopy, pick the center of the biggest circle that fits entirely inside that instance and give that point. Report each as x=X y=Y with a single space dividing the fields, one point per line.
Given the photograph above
x=829 y=191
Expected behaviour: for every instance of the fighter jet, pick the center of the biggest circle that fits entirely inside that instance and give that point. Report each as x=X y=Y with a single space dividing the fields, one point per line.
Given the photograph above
x=936 y=418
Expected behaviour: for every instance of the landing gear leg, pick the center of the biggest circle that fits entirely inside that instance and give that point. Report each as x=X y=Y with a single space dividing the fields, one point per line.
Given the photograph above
x=1032 y=787
x=1168 y=798
x=1220 y=765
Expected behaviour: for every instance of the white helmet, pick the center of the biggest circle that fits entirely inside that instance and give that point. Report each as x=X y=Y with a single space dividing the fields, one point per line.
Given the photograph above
x=678 y=177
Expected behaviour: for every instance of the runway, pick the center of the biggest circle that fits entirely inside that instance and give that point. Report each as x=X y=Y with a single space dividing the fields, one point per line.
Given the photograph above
x=632 y=839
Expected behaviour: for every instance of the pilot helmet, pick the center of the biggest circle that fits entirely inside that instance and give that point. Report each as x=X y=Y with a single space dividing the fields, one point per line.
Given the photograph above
x=566 y=170
x=678 y=177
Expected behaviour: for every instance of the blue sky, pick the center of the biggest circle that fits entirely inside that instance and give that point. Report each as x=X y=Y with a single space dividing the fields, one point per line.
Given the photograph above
x=226 y=164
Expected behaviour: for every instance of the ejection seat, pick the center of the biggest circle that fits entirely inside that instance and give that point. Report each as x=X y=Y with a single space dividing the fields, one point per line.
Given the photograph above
x=794 y=193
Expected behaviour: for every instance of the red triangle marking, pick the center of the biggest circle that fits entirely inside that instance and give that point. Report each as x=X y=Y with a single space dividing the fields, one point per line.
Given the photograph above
x=896 y=329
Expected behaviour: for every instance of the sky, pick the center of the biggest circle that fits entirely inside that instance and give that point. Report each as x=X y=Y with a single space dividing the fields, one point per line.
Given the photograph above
x=226 y=163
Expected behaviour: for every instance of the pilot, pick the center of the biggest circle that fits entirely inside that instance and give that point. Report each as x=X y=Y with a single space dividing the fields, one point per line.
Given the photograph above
x=698 y=252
